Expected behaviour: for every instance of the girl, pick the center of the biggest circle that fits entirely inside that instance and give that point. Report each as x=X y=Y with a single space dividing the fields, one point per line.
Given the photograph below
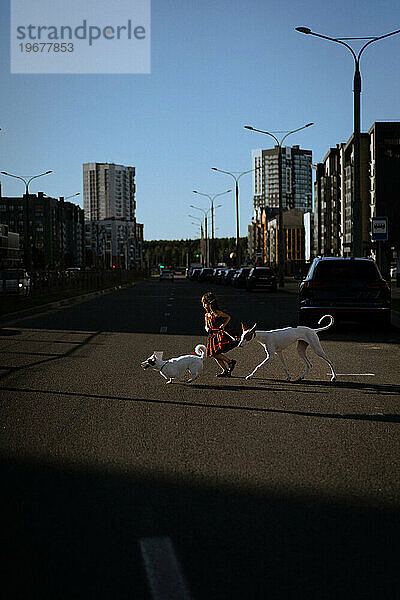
x=218 y=339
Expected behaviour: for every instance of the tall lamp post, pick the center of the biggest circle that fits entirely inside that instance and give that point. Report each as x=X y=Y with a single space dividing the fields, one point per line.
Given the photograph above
x=26 y=181
x=207 y=253
x=212 y=198
x=357 y=207
x=281 y=239
x=236 y=177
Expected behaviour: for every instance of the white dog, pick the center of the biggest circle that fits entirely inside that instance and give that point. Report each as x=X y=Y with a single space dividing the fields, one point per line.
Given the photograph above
x=174 y=368
x=276 y=340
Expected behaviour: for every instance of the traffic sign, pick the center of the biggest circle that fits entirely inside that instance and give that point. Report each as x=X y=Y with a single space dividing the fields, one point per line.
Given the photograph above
x=379 y=229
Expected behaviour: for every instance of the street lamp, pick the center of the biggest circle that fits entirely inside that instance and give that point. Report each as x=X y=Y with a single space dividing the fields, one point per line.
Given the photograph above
x=236 y=177
x=281 y=239
x=26 y=181
x=357 y=208
x=199 y=224
x=207 y=253
x=212 y=198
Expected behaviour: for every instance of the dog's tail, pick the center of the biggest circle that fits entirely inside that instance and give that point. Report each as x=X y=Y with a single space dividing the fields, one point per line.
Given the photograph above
x=200 y=350
x=326 y=326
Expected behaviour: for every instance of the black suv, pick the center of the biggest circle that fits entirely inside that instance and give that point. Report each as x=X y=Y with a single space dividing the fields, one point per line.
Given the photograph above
x=261 y=277
x=240 y=277
x=347 y=288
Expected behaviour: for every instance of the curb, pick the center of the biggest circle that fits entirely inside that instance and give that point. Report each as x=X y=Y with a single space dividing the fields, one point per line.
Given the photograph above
x=10 y=317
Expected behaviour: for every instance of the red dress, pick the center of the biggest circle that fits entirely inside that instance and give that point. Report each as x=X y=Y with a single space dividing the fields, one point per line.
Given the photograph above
x=218 y=340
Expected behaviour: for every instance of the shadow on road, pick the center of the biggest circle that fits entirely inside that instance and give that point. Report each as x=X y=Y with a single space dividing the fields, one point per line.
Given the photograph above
x=74 y=533
x=390 y=418
x=49 y=357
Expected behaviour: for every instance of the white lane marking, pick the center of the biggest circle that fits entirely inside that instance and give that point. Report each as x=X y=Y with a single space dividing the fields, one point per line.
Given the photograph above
x=355 y=374
x=163 y=329
x=164 y=572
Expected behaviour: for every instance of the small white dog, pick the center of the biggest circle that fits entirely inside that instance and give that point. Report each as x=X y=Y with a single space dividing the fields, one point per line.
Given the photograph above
x=174 y=368
x=276 y=340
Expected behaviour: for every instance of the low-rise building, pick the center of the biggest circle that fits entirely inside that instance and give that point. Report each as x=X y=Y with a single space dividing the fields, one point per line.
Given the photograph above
x=114 y=244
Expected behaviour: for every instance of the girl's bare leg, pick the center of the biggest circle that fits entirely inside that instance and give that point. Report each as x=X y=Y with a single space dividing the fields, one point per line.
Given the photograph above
x=221 y=362
x=226 y=359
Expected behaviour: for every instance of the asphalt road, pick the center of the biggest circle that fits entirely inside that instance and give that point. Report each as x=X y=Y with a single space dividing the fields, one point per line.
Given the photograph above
x=266 y=488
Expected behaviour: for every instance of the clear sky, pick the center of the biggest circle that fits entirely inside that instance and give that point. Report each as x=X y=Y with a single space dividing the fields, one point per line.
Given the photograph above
x=217 y=65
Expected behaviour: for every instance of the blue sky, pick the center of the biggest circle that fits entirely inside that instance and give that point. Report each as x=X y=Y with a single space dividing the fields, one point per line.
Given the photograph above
x=216 y=66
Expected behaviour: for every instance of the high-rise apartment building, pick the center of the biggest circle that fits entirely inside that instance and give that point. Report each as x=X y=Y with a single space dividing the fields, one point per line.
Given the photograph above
x=379 y=187
x=296 y=182
x=384 y=189
x=108 y=191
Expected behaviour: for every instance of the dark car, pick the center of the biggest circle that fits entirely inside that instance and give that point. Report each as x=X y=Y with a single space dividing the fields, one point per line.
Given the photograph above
x=218 y=275
x=194 y=275
x=261 y=277
x=228 y=275
x=346 y=288
x=240 y=277
x=15 y=281
x=166 y=275
x=205 y=274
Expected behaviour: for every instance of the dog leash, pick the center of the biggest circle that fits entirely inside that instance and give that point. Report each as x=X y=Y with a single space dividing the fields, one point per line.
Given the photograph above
x=223 y=331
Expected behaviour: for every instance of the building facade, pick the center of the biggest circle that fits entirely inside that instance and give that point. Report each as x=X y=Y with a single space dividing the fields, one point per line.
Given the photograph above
x=296 y=180
x=380 y=195
x=10 y=255
x=294 y=240
x=113 y=238
x=114 y=244
x=51 y=231
x=108 y=191
x=385 y=188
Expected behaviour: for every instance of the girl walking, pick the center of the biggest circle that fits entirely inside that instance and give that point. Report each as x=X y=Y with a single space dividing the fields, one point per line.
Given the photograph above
x=219 y=340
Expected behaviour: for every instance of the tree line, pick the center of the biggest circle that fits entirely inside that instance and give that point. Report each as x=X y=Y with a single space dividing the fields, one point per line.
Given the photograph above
x=181 y=253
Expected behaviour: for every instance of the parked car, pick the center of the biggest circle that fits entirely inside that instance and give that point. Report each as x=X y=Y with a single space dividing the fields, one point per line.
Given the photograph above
x=346 y=288
x=15 y=281
x=240 y=277
x=216 y=275
x=205 y=274
x=261 y=277
x=228 y=275
x=194 y=275
x=190 y=270
x=166 y=275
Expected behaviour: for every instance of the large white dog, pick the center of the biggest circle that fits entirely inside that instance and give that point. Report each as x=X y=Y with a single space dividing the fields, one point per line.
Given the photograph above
x=276 y=340
x=174 y=368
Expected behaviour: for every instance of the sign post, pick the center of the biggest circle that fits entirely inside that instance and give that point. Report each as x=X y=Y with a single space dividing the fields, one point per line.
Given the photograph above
x=379 y=229
x=379 y=234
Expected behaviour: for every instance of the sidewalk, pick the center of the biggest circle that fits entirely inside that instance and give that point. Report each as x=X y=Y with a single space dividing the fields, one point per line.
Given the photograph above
x=292 y=287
